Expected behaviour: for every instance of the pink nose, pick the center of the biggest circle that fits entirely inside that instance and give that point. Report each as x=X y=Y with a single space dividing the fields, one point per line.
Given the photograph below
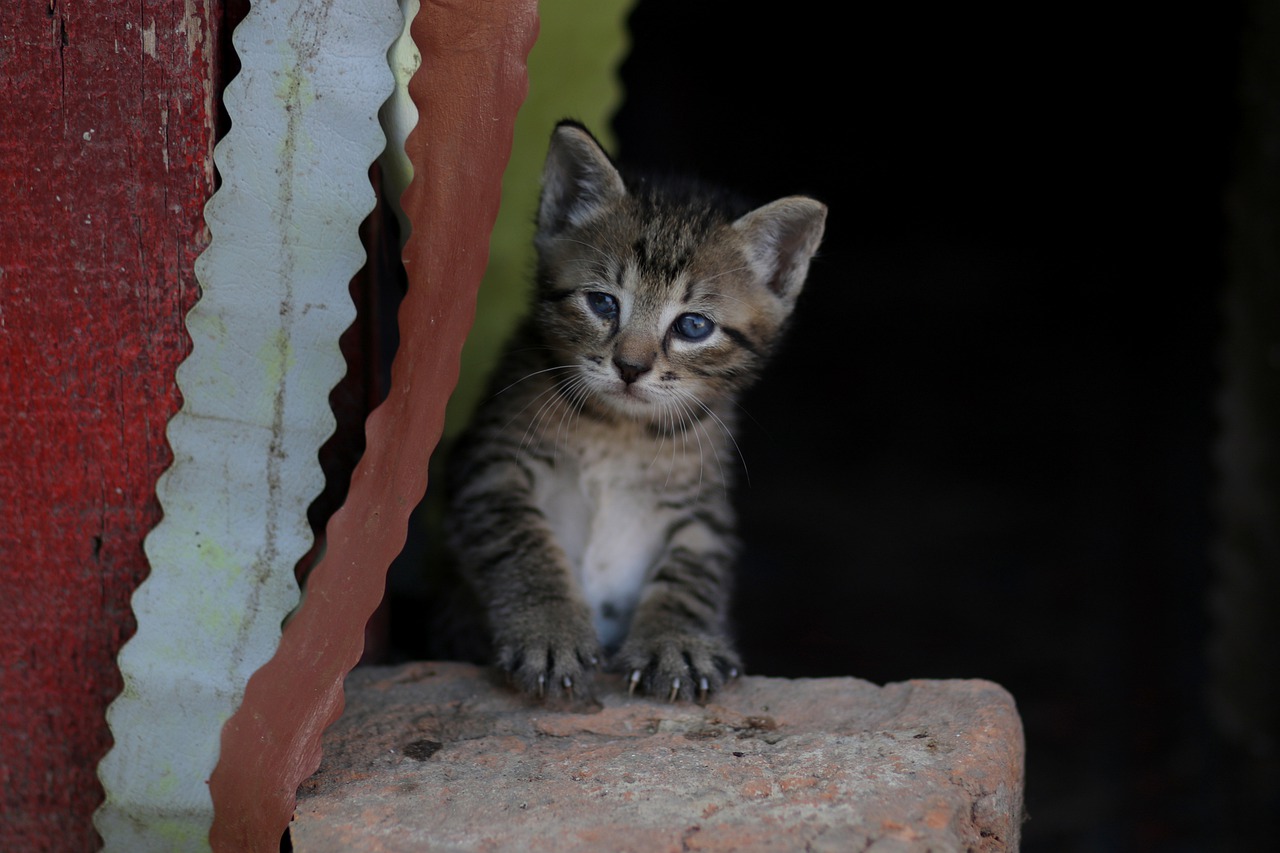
x=630 y=371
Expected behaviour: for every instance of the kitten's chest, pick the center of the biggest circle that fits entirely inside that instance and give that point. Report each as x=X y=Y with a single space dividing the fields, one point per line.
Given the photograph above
x=606 y=509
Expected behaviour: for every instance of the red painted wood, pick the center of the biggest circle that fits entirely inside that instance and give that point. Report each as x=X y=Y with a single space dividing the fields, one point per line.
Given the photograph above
x=472 y=82
x=105 y=164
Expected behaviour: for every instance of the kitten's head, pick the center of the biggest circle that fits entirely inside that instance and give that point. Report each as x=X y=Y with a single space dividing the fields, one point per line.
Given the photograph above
x=667 y=296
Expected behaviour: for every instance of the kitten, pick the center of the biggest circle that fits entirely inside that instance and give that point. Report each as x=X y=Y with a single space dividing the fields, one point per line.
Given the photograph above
x=589 y=509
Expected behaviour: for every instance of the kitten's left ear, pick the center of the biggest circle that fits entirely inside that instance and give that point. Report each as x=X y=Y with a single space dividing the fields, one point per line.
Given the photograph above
x=578 y=181
x=781 y=239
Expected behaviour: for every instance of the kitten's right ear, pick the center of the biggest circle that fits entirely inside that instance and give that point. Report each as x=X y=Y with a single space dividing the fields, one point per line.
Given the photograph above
x=782 y=238
x=578 y=180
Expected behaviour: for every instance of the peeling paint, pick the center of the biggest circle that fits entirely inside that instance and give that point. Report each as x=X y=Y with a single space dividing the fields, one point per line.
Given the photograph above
x=164 y=131
x=192 y=24
x=149 y=39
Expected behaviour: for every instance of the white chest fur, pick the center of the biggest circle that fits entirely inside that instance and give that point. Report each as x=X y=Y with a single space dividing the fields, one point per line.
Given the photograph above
x=604 y=511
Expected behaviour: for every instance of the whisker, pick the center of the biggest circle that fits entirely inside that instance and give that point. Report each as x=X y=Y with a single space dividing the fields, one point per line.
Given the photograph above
x=686 y=423
x=563 y=392
x=544 y=392
x=575 y=395
x=528 y=376
x=553 y=400
x=727 y=272
x=594 y=248
x=662 y=437
x=689 y=420
x=683 y=425
x=728 y=434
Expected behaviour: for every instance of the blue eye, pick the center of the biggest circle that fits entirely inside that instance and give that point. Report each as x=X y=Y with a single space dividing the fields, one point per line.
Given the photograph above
x=603 y=304
x=693 y=327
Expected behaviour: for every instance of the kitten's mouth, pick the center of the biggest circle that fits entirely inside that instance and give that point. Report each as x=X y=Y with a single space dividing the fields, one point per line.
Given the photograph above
x=631 y=395
x=630 y=399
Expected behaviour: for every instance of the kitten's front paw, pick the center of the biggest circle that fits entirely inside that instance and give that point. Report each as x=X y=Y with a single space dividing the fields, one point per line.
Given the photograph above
x=678 y=665
x=550 y=653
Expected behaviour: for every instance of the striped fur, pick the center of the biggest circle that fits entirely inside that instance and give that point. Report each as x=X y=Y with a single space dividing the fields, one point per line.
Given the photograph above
x=589 y=508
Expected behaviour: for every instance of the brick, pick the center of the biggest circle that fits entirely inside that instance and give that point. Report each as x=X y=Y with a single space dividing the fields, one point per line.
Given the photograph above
x=443 y=756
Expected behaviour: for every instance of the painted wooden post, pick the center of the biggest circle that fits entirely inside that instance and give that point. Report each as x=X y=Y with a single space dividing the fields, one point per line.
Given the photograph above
x=106 y=133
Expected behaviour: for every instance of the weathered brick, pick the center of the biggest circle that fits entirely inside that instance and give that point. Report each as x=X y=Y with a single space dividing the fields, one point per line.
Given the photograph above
x=442 y=756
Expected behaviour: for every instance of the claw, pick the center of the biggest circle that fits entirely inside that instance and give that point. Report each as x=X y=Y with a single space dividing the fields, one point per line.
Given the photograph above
x=733 y=672
x=675 y=689
x=633 y=682
x=703 y=688
x=542 y=685
x=568 y=686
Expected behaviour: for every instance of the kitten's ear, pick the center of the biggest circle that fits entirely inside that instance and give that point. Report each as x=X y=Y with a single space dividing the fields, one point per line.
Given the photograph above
x=578 y=180
x=781 y=238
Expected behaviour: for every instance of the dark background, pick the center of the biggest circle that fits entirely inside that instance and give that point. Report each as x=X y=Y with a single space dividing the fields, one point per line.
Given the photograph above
x=995 y=443
x=987 y=450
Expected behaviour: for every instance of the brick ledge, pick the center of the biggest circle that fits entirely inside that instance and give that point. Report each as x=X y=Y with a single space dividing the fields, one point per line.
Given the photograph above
x=441 y=756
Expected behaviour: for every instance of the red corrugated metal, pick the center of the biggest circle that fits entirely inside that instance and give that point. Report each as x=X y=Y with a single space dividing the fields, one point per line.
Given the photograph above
x=105 y=164
x=472 y=82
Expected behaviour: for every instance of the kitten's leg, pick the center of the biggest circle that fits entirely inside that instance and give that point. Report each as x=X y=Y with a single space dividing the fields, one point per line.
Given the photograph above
x=541 y=628
x=678 y=645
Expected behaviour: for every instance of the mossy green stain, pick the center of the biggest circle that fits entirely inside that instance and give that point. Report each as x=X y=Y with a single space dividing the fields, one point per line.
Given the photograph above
x=224 y=573
x=163 y=785
x=277 y=358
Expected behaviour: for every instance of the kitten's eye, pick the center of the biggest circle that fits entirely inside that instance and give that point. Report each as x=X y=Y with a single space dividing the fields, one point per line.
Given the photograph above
x=693 y=327
x=603 y=304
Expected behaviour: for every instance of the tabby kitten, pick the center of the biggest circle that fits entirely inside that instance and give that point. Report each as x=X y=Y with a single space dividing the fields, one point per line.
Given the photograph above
x=589 y=508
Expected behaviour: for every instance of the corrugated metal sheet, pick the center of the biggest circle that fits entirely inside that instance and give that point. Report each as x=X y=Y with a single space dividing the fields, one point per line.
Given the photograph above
x=255 y=387
x=472 y=82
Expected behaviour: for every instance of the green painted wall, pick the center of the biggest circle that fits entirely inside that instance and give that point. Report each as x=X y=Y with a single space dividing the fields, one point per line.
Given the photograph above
x=572 y=74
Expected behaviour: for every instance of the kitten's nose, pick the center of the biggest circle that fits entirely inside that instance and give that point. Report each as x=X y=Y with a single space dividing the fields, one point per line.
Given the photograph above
x=630 y=371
